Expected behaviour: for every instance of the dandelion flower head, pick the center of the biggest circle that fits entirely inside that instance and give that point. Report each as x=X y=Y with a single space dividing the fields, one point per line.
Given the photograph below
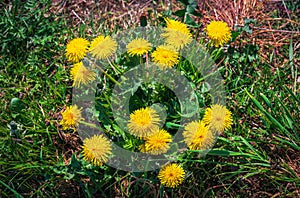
x=143 y=122
x=171 y=175
x=177 y=34
x=218 y=118
x=71 y=117
x=81 y=75
x=218 y=32
x=198 y=136
x=138 y=47
x=165 y=56
x=157 y=143
x=103 y=47
x=96 y=149
x=176 y=25
x=76 y=49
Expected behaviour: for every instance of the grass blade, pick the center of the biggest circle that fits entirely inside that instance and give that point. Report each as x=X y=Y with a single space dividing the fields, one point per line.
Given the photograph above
x=12 y=190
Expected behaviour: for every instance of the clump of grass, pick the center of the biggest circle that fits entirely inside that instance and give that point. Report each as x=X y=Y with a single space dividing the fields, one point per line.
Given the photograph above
x=32 y=72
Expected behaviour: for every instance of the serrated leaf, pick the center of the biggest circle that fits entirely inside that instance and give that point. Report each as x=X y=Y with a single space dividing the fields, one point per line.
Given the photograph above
x=74 y=162
x=234 y=35
x=247 y=29
x=191 y=8
x=249 y=21
x=180 y=13
x=189 y=21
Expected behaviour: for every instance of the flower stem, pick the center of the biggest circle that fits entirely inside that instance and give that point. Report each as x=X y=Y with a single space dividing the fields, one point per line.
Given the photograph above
x=114 y=66
x=89 y=124
x=109 y=76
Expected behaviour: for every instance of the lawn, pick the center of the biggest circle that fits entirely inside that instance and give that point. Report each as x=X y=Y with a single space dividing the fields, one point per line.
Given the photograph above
x=182 y=81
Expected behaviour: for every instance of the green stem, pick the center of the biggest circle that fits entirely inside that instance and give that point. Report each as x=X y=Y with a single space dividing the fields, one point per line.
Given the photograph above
x=109 y=76
x=114 y=66
x=89 y=124
x=141 y=60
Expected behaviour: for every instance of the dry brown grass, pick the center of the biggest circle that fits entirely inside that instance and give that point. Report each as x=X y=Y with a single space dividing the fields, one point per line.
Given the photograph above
x=270 y=33
x=110 y=15
x=232 y=12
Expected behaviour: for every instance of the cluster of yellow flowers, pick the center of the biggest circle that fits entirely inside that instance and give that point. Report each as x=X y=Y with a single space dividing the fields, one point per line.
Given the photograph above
x=101 y=47
x=198 y=135
x=97 y=148
x=176 y=34
x=144 y=123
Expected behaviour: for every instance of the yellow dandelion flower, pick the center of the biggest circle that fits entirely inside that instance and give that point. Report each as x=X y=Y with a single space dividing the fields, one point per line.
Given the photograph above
x=96 y=41
x=177 y=34
x=71 y=117
x=176 y=38
x=81 y=75
x=143 y=122
x=218 y=118
x=218 y=32
x=76 y=49
x=198 y=136
x=176 y=25
x=165 y=56
x=103 y=47
x=157 y=143
x=138 y=47
x=96 y=149
x=171 y=175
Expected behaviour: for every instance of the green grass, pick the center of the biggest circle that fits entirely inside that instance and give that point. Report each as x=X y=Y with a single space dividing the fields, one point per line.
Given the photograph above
x=259 y=156
x=32 y=69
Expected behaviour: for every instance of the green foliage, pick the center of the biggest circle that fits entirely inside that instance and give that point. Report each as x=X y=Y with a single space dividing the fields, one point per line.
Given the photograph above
x=188 y=11
x=33 y=87
x=261 y=146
